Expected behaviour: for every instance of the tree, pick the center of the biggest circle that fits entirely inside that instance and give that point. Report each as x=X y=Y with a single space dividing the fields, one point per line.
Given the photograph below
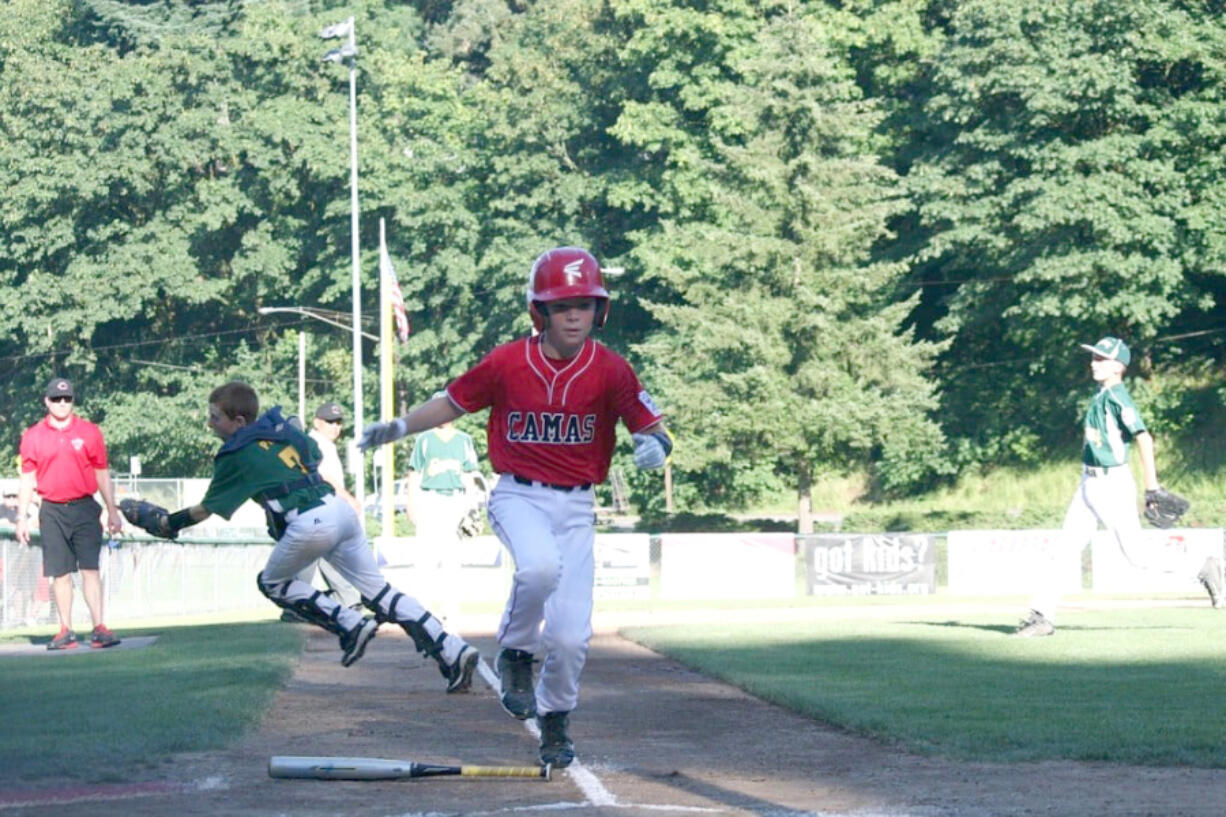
x=780 y=348
x=1070 y=186
x=147 y=221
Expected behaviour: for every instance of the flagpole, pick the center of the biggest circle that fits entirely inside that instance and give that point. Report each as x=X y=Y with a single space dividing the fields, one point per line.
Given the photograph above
x=387 y=412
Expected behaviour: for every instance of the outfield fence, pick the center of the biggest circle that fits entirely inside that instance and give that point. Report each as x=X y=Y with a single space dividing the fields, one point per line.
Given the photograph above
x=145 y=577
x=139 y=580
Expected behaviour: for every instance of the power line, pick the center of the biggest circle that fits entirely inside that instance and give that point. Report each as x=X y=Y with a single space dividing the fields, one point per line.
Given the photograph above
x=203 y=17
x=135 y=344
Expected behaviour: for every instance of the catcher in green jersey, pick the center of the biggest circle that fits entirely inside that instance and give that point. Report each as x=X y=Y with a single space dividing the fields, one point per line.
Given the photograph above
x=269 y=460
x=1108 y=493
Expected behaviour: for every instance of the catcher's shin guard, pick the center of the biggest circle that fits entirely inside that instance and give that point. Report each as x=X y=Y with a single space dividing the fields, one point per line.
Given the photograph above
x=384 y=605
x=309 y=608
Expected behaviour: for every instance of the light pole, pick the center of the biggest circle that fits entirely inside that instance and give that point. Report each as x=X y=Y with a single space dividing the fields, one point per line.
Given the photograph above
x=302 y=377
x=347 y=54
x=328 y=316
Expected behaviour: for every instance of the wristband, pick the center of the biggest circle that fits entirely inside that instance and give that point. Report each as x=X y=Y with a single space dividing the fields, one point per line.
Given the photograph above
x=666 y=440
x=179 y=520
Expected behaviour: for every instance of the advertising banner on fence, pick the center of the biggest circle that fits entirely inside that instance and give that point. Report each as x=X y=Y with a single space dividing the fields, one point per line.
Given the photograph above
x=995 y=562
x=477 y=551
x=727 y=565
x=856 y=564
x=1167 y=560
x=623 y=566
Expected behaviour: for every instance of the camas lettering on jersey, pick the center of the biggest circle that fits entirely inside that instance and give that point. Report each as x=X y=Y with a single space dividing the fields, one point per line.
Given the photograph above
x=550 y=427
x=553 y=421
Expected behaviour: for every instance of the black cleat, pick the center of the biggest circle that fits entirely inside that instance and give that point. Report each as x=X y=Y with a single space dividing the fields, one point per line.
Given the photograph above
x=353 y=643
x=460 y=672
x=557 y=750
x=514 y=668
x=1211 y=577
x=1034 y=625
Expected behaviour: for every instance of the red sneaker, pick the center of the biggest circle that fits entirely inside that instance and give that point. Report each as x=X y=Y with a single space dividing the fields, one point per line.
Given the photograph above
x=66 y=640
x=103 y=637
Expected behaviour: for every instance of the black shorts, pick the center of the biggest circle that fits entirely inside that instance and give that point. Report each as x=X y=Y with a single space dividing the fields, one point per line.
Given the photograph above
x=72 y=535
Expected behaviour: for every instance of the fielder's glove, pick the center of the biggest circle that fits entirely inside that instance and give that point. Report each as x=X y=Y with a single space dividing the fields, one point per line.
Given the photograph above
x=472 y=522
x=377 y=434
x=1163 y=508
x=153 y=519
x=652 y=450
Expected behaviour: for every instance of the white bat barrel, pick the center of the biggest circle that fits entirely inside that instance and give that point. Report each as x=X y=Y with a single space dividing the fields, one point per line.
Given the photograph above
x=338 y=768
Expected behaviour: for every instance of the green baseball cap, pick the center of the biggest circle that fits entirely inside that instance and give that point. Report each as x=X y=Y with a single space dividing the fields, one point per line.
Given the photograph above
x=1110 y=348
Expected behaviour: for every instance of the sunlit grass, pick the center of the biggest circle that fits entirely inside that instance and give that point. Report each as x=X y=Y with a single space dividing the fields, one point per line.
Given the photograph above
x=1132 y=686
x=103 y=716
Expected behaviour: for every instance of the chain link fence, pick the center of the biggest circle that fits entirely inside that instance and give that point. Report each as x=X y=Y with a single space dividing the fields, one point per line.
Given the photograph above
x=212 y=570
x=139 y=579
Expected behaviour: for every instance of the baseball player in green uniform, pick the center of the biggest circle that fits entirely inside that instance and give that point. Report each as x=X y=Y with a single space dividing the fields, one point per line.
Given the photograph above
x=1108 y=492
x=443 y=460
x=267 y=459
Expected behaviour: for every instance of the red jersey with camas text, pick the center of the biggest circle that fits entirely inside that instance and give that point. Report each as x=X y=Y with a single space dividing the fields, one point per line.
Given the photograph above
x=554 y=421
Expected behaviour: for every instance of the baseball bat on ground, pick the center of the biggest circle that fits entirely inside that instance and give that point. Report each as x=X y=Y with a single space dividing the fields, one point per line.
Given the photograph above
x=375 y=768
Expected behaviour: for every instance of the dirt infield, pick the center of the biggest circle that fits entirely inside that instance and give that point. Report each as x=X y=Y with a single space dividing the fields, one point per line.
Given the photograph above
x=653 y=738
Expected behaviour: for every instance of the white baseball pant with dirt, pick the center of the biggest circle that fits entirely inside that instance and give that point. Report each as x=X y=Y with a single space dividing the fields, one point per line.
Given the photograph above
x=1109 y=496
x=551 y=536
x=331 y=531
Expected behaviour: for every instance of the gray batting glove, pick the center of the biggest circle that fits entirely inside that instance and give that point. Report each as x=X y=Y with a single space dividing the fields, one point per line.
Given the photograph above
x=649 y=450
x=377 y=434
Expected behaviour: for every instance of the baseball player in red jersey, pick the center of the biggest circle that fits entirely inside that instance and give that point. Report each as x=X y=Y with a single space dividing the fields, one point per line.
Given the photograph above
x=554 y=401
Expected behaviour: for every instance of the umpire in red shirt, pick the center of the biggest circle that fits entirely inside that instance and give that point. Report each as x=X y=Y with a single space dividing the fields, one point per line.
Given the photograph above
x=65 y=457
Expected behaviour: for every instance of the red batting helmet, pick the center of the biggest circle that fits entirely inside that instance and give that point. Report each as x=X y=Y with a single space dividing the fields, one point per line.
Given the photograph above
x=566 y=272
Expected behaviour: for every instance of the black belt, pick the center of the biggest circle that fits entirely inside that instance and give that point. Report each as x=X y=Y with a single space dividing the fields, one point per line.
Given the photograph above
x=316 y=504
x=69 y=501
x=1099 y=470
x=310 y=506
x=564 y=488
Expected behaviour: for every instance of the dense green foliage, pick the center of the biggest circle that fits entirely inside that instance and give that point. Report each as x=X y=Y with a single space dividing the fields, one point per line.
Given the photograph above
x=1070 y=185
x=858 y=236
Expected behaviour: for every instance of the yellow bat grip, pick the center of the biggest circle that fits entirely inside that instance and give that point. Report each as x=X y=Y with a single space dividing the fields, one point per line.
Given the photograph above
x=506 y=771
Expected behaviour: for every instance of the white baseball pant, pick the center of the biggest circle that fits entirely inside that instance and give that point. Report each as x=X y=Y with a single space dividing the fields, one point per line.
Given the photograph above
x=437 y=520
x=332 y=532
x=1109 y=496
x=551 y=535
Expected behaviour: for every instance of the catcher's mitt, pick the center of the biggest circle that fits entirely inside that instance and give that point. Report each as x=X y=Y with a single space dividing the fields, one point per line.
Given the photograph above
x=1163 y=508
x=153 y=519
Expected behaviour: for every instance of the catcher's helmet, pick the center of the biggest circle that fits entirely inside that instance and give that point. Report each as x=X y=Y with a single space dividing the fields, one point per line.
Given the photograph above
x=566 y=272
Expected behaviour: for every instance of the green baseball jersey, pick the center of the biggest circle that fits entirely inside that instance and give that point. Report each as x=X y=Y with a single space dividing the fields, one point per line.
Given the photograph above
x=440 y=462
x=258 y=467
x=1112 y=421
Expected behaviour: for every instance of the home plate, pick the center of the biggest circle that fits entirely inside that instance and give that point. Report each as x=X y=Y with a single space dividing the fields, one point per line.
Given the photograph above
x=15 y=649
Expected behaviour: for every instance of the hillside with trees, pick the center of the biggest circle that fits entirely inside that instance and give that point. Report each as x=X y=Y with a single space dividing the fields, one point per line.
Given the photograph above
x=857 y=237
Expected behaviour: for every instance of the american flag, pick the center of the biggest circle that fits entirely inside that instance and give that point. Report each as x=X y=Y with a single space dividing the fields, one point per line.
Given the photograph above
x=394 y=294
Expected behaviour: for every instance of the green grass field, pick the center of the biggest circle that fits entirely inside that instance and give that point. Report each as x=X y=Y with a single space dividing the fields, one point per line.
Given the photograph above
x=1128 y=685
x=103 y=717
x=1139 y=686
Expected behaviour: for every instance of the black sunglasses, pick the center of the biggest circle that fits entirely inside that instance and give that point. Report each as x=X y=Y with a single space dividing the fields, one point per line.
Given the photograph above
x=60 y=399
